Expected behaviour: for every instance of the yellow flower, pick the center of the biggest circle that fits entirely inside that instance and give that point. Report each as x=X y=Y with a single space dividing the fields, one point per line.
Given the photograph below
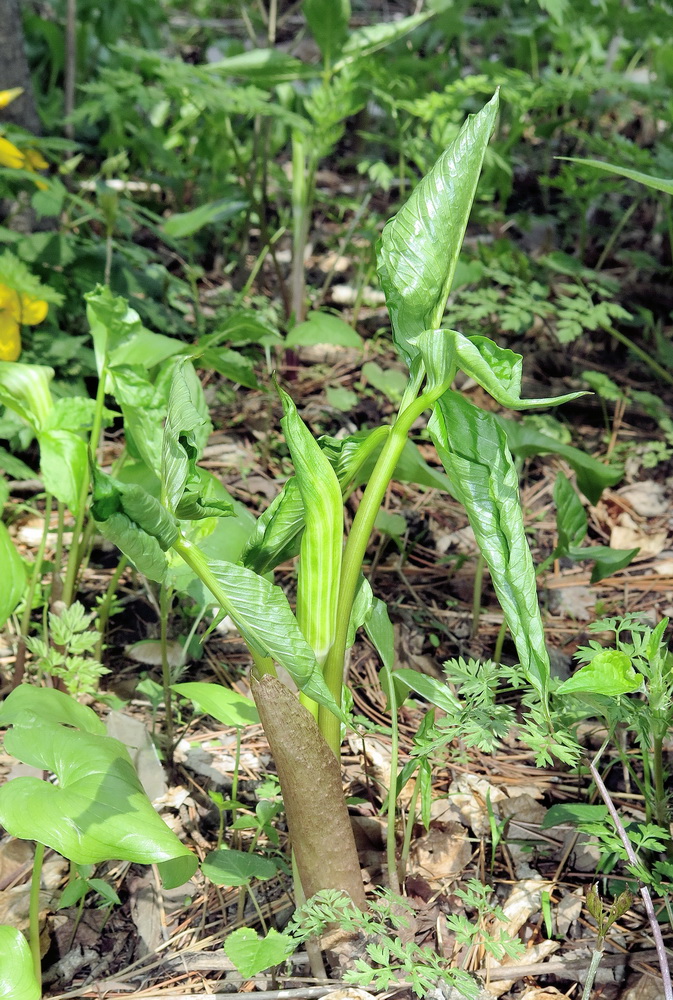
x=35 y=160
x=7 y=96
x=16 y=309
x=10 y=156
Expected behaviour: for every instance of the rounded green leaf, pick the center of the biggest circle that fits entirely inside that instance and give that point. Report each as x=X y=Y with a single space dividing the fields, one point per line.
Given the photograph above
x=229 y=867
x=252 y=954
x=17 y=975
x=323 y=328
x=610 y=673
x=227 y=706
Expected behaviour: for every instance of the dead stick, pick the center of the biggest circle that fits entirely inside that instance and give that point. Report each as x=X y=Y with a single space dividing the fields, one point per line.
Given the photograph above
x=644 y=891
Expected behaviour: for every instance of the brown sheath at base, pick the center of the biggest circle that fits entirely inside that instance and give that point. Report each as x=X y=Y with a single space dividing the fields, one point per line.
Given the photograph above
x=310 y=780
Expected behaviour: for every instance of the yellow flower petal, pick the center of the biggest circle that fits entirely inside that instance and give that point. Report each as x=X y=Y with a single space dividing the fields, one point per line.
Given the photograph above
x=35 y=160
x=10 y=156
x=7 y=96
x=10 y=337
x=33 y=311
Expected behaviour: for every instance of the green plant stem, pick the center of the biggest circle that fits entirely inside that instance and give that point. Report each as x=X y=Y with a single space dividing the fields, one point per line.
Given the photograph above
x=354 y=554
x=76 y=549
x=34 y=912
x=596 y=957
x=234 y=785
x=660 y=802
x=653 y=365
x=500 y=642
x=393 y=875
x=408 y=830
x=476 y=593
x=106 y=604
x=165 y=600
x=29 y=597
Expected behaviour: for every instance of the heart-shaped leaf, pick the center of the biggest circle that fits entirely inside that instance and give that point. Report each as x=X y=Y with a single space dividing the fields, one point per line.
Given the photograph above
x=609 y=673
x=229 y=867
x=252 y=954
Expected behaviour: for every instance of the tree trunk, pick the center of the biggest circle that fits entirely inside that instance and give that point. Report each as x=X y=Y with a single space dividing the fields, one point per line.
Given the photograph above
x=14 y=70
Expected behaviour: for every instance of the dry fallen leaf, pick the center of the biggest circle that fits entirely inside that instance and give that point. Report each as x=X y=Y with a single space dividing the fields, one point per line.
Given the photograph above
x=646 y=498
x=442 y=853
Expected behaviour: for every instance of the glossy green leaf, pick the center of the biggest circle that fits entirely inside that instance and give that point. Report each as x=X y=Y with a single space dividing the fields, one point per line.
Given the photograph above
x=17 y=973
x=609 y=673
x=474 y=452
x=186 y=430
x=606 y=560
x=12 y=574
x=227 y=706
x=111 y=496
x=231 y=364
x=496 y=369
x=98 y=811
x=664 y=184
x=434 y=691
x=262 y=614
x=64 y=461
x=25 y=389
x=49 y=705
x=183 y=224
x=119 y=334
x=365 y=41
x=328 y=21
x=252 y=954
x=571 y=520
x=574 y=813
x=322 y=539
x=361 y=609
x=323 y=328
x=379 y=629
x=593 y=476
x=277 y=533
x=419 y=247
x=229 y=867
x=141 y=549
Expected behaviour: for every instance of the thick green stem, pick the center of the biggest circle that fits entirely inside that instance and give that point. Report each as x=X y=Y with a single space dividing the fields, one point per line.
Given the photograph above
x=34 y=912
x=354 y=554
x=408 y=830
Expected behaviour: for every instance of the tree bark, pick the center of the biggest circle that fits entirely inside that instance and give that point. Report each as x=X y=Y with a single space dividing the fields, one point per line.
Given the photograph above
x=14 y=71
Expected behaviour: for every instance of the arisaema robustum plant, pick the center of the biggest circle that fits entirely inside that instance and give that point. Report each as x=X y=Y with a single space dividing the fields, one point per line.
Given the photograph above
x=417 y=256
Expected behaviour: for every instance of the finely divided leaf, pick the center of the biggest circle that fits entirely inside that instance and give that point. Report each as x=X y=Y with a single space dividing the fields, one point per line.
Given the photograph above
x=474 y=452
x=419 y=248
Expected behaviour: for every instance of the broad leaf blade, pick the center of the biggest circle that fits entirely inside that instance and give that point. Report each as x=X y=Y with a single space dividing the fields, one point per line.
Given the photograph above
x=571 y=521
x=12 y=573
x=227 y=706
x=418 y=250
x=474 y=452
x=226 y=866
x=17 y=975
x=592 y=476
x=64 y=460
x=262 y=614
x=328 y=21
x=252 y=954
x=97 y=812
x=365 y=41
x=187 y=428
